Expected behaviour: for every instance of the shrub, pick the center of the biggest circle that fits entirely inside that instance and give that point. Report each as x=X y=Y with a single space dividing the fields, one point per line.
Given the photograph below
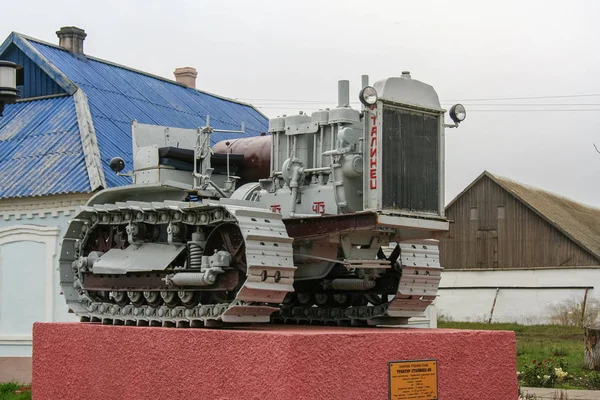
x=544 y=373
x=569 y=313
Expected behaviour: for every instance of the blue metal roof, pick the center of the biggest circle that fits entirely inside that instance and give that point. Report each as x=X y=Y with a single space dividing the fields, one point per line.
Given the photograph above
x=117 y=95
x=40 y=149
x=39 y=82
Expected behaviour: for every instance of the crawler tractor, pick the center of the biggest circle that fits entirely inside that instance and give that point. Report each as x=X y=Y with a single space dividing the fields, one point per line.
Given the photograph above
x=328 y=219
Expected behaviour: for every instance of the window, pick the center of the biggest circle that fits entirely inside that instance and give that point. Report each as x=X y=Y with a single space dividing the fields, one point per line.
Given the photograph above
x=501 y=212
x=474 y=216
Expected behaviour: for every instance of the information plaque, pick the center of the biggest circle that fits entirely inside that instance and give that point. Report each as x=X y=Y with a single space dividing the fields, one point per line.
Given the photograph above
x=413 y=380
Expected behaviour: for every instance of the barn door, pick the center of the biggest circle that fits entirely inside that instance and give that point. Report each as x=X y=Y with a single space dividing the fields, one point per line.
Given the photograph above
x=487 y=248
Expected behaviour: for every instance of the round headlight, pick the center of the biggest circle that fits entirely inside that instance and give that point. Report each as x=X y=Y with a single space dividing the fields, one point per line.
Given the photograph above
x=368 y=96
x=458 y=113
x=117 y=164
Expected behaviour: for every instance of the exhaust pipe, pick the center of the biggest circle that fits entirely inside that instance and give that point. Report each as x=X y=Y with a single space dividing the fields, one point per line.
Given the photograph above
x=343 y=93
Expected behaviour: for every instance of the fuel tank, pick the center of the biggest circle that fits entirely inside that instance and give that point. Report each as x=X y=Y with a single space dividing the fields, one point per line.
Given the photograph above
x=257 y=156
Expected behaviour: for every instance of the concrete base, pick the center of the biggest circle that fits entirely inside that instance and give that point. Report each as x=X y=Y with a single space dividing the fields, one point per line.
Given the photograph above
x=86 y=361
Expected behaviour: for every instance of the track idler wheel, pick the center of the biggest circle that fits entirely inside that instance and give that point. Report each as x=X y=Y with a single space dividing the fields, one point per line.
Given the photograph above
x=228 y=237
x=306 y=299
x=342 y=299
x=289 y=299
x=152 y=298
x=120 y=298
x=188 y=298
x=136 y=298
x=170 y=298
x=323 y=299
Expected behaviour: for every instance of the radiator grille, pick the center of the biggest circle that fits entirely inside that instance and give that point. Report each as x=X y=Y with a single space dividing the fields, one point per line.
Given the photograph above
x=410 y=157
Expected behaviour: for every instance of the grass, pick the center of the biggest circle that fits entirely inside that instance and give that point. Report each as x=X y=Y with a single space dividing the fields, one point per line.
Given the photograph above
x=14 y=391
x=540 y=342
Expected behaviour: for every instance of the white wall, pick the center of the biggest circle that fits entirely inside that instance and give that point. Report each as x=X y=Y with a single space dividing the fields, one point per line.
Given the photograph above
x=21 y=283
x=533 y=305
x=29 y=278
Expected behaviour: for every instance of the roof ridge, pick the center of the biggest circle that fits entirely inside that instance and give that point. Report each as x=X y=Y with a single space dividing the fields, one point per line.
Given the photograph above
x=554 y=194
x=469 y=186
x=137 y=71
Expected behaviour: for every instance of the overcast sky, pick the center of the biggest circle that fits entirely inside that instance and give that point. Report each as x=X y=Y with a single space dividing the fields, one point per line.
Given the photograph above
x=287 y=56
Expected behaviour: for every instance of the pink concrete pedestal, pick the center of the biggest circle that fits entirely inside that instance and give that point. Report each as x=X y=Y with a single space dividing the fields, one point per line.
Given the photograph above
x=87 y=361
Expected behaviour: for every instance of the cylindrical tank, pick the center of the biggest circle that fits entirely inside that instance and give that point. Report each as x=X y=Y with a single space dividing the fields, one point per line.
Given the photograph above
x=257 y=156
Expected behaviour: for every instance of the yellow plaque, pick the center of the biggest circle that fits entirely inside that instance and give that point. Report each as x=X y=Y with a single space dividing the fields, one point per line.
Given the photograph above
x=413 y=380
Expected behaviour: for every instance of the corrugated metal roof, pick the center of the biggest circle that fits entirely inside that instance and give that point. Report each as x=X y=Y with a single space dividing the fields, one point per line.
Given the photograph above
x=579 y=222
x=116 y=95
x=40 y=149
x=39 y=82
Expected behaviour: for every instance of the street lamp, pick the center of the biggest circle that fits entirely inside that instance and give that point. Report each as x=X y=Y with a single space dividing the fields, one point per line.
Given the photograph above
x=8 y=83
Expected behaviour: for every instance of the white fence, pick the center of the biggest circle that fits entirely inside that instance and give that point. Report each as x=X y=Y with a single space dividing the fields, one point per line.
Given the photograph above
x=525 y=296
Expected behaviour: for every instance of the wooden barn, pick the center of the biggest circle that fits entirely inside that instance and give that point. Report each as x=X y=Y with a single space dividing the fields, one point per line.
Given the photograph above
x=497 y=223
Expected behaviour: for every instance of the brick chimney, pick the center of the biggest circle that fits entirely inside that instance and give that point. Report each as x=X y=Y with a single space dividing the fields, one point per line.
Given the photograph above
x=186 y=76
x=71 y=38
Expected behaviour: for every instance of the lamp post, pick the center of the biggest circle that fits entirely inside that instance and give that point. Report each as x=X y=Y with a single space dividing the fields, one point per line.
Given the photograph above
x=8 y=83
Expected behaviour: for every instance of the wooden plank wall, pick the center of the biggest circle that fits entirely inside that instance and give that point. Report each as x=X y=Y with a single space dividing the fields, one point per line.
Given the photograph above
x=479 y=239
